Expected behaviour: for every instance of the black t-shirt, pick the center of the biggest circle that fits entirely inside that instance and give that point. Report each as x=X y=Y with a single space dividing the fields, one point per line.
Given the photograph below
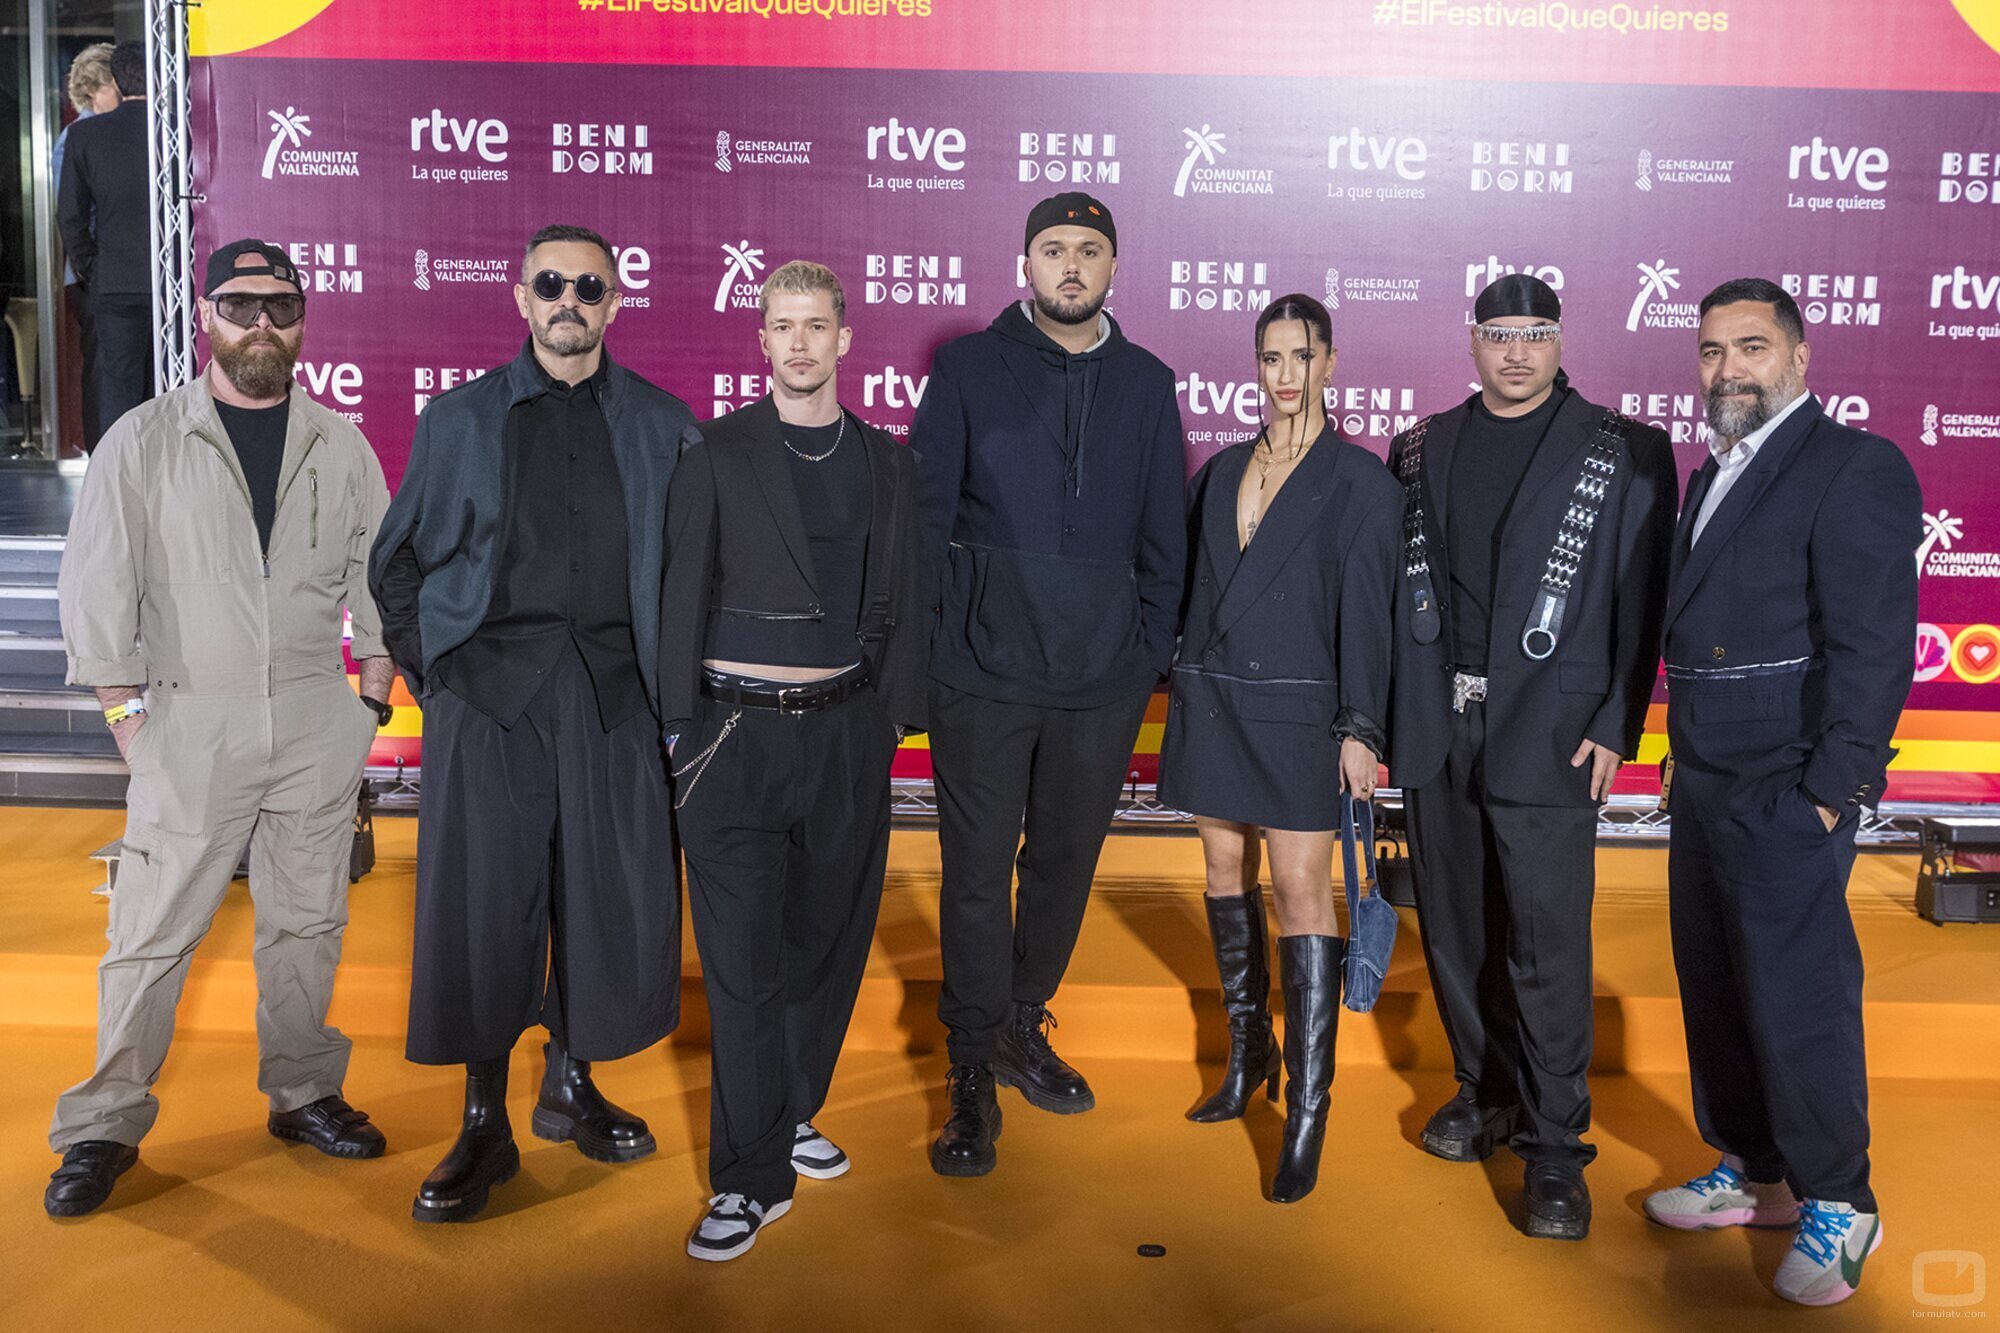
x=1487 y=465
x=258 y=433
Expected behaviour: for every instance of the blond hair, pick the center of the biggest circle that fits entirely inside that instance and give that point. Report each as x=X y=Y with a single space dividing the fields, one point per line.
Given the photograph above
x=803 y=277
x=90 y=71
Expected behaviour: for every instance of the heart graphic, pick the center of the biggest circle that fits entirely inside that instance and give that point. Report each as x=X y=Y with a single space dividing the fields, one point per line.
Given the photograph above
x=1980 y=653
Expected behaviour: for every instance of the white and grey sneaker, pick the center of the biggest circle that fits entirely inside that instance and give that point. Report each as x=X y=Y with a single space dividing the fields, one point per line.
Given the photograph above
x=730 y=1226
x=1824 y=1266
x=816 y=1155
x=1724 y=1198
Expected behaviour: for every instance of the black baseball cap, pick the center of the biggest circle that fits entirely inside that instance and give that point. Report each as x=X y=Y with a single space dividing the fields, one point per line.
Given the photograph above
x=222 y=265
x=1072 y=208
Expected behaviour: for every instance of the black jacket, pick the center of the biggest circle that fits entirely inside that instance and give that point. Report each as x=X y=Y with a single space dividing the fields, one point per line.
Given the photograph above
x=1809 y=556
x=102 y=208
x=737 y=546
x=434 y=561
x=1299 y=620
x=1051 y=514
x=1598 y=681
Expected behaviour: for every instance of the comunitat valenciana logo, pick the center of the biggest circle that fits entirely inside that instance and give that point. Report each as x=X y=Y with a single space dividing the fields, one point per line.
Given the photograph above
x=1218 y=284
x=733 y=151
x=740 y=286
x=1071 y=157
x=1368 y=290
x=436 y=270
x=1202 y=171
x=1836 y=298
x=1943 y=425
x=1663 y=169
x=1943 y=554
x=1654 y=307
x=288 y=153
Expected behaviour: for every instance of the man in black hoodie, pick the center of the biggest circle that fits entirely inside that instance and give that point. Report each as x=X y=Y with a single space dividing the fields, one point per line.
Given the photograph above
x=1051 y=520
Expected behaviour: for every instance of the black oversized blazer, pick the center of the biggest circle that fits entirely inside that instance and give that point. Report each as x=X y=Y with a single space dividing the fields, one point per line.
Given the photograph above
x=736 y=545
x=1806 y=559
x=1296 y=628
x=1597 y=683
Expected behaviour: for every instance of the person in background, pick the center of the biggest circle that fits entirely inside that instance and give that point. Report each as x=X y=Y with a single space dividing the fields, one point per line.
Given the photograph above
x=92 y=91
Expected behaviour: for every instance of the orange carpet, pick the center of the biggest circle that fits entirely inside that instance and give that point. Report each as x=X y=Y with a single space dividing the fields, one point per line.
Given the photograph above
x=222 y=1227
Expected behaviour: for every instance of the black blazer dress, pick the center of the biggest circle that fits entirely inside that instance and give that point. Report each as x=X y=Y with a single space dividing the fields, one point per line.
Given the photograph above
x=1284 y=646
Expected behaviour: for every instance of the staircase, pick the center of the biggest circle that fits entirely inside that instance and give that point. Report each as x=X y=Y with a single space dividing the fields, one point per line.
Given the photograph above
x=54 y=748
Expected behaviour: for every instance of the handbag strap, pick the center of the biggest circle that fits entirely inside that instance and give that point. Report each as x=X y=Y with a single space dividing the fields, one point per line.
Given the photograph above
x=1357 y=825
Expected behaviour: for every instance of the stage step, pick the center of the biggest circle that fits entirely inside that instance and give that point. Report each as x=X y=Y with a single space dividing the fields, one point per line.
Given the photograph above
x=1142 y=984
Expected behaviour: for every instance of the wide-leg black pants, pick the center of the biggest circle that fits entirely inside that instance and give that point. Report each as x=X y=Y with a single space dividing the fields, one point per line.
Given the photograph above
x=784 y=820
x=1044 y=781
x=546 y=887
x=1503 y=898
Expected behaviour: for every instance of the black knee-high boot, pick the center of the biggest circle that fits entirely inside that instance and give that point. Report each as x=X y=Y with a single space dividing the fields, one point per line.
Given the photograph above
x=1309 y=967
x=1243 y=958
x=483 y=1156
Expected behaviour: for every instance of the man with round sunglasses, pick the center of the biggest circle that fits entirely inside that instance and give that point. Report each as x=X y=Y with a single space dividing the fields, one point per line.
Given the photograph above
x=1536 y=532
x=518 y=571
x=222 y=528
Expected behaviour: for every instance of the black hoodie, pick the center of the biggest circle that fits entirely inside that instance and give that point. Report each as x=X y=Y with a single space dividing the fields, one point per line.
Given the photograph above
x=1050 y=507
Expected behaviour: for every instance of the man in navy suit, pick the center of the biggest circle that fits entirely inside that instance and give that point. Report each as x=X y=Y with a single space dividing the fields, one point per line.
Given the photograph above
x=1791 y=612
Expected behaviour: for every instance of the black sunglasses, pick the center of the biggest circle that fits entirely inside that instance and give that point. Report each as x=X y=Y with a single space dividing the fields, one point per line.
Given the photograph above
x=242 y=308
x=590 y=288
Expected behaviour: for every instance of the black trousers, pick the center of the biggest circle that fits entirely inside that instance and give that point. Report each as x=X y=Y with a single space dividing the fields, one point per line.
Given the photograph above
x=546 y=887
x=1044 y=781
x=784 y=820
x=1770 y=970
x=79 y=304
x=1503 y=898
x=121 y=336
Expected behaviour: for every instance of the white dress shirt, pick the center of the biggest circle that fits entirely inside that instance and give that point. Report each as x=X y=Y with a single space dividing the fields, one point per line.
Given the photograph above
x=1734 y=461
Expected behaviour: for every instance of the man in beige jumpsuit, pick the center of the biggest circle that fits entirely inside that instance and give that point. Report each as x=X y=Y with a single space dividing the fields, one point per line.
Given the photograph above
x=221 y=528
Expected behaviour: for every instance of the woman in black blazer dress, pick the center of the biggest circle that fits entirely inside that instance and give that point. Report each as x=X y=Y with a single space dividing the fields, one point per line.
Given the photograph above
x=1280 y=689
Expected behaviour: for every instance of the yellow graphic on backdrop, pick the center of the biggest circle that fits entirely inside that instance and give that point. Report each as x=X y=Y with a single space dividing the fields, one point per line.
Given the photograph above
x=221 y=27
x=1984 y=16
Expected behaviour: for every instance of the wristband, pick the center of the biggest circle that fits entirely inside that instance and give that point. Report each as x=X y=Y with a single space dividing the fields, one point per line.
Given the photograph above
x=117 y=713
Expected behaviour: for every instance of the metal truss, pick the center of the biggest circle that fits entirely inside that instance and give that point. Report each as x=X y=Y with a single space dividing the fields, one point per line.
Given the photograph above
x=168 y=108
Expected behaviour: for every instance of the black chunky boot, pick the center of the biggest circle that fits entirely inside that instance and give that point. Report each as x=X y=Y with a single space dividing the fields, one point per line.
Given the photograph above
x=483 y=1156
x=572 y=1110
x=1243 y=958
x=1310 y=967
x=1024 y=1060
x=965 y=1146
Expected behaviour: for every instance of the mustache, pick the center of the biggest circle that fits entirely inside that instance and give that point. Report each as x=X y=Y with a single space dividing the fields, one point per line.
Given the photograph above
x=1723 y=387
x=567 y=317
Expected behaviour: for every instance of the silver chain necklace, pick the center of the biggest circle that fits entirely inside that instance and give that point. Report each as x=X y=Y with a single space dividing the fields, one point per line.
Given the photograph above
x=839 y=435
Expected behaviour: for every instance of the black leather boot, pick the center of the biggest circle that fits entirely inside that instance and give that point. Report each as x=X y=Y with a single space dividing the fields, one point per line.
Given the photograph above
x=483 y=1156
x=1556 y=1201
x=572 y=1110
x=83 y=1182
x=1464 y=1131
x=1243 y=958
x=1025 y=1060
x=1309 y=967
x=965 y=1147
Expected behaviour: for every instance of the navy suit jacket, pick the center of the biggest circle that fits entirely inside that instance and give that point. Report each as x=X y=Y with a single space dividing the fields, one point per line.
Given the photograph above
x=1597 y=683
x=1810 y=555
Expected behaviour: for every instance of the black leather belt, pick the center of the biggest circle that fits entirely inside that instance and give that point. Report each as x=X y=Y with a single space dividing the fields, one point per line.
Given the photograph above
x=806 y=697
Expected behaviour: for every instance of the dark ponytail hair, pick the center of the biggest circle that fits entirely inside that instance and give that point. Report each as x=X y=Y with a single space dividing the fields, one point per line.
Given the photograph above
x=1303 y=308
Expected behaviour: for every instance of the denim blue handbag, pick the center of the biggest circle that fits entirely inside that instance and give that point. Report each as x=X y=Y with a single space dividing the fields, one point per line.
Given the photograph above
x=1371 y=921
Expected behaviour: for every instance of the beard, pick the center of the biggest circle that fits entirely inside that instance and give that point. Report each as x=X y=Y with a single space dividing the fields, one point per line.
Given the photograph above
x=1733 y=421
x=1062 y=311
x=567 y=334
x=259 y=365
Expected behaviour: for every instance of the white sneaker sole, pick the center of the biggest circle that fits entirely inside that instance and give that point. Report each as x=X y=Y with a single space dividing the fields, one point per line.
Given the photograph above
x=1723 y=1218
x=714 y=1256
x=1839 y=1291
x=815 y=1171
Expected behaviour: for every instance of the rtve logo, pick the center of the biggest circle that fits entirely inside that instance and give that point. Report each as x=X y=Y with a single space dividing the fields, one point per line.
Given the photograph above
x=1819 y=160
x=1355 y=151
x=943 y=149
x=440 y=133
x=1479 y=276
x=1965 y=291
